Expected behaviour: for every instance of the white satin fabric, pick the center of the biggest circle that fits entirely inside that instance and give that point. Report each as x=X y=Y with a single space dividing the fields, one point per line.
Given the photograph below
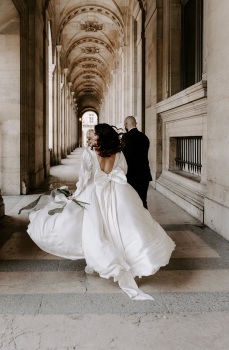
x=115 y=234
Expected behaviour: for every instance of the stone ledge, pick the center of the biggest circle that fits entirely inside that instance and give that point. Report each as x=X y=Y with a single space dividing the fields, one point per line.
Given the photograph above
x=193 y=93
x=189 y=194
x=217 y=217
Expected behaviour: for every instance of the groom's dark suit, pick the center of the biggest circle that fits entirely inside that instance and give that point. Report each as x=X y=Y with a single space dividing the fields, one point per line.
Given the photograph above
x=135 y=150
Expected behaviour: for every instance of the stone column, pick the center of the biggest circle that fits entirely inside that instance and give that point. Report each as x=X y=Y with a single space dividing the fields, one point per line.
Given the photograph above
x=205 y=42
x=171 y=46
x=216 y=207
x=62 y=99
x=11 y=116
x=119 y=95
x=64 y=113
x=2 y=206
x=135 y=58
x=69 y=118
x=73 y=122
x=113 y=97
x=54 y=159
x=57 y=116
x=123 y=99
x=107 y=103
x=52 y=112
x=76 y=142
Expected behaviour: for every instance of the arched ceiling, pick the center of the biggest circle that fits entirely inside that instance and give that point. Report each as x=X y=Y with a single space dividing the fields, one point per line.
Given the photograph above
x=9 y=18
x=90 y=34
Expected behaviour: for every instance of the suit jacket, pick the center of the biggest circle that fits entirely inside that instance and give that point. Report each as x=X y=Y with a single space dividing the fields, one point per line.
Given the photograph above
x=135 y=149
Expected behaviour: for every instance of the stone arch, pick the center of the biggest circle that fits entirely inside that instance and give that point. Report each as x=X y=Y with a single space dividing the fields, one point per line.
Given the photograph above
x=94 y=9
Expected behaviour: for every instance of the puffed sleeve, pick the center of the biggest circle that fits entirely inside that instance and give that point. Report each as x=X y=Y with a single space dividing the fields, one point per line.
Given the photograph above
x=85 y=172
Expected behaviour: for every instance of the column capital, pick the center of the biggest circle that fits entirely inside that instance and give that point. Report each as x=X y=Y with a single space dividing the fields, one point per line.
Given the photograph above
x=52 y=68
x=65 y=71
x=58 y=48
x=122 y=50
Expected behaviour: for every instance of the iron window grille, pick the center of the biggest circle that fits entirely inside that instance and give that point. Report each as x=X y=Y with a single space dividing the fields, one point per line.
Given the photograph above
x=189 y=154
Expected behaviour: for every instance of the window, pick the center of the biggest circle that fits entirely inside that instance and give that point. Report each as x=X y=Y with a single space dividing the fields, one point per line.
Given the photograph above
x=192 y=41
x=189 y=154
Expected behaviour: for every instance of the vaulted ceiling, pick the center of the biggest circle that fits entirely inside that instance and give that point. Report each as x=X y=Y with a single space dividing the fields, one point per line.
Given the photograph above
x=91 y=33
x=8 y=16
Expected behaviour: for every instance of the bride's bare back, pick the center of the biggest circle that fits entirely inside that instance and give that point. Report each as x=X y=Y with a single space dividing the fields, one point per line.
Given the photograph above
x=106 y=163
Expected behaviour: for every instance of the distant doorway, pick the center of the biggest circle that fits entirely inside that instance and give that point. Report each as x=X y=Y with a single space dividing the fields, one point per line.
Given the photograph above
x=89 y=120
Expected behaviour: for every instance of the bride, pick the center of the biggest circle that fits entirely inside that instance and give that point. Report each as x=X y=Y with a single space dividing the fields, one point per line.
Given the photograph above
x=114 y=233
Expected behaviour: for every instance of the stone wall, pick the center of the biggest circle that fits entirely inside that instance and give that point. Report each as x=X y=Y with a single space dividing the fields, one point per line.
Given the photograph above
x=217 y=198
x=183 y=115
x=37 y=119
x=153 y=73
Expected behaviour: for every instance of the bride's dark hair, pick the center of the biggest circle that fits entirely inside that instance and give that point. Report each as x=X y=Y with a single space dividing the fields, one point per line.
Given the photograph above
x=108 y=142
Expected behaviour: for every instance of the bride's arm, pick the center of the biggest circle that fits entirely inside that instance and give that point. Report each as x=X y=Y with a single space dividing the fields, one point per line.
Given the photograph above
x=84 y=174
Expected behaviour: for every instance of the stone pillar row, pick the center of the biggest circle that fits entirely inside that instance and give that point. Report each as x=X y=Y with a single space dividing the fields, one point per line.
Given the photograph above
x=64 y=113
x=118 y=101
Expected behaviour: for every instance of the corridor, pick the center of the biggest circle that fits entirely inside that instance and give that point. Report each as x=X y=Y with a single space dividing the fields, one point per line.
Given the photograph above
x=48 y=303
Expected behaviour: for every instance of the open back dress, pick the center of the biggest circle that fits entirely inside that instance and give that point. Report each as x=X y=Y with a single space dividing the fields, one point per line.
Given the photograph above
x=114 y=233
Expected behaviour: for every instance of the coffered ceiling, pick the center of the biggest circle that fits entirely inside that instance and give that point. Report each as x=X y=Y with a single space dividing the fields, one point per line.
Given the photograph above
x=91 y=33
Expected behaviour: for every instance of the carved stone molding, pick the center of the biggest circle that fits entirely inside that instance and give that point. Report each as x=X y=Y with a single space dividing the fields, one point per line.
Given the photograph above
x=88 y=76
x=86 y=59
x=88 y=85
x=89 y=91
x=88 y=40
x=89 y=65
x=191 y=94
x=90 y=50
x=89 y=72
x=92 y=59
x=91 y=26
x=96 y=9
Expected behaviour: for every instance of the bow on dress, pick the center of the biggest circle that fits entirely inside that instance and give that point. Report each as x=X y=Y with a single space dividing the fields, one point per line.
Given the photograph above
x=103 y=179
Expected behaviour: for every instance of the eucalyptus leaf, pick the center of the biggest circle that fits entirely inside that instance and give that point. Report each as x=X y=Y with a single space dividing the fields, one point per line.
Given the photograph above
x=55 y=210
x=80 y=203
x=30 y=205
x=53 y=194
x=60 y=202
x=67 y=193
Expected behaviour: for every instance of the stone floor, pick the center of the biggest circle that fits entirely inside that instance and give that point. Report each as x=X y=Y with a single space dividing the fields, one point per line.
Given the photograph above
x=48 y=303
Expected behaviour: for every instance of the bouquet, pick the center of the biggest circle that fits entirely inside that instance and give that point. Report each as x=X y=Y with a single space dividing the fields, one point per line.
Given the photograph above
x=64 y=190
x=54 y=193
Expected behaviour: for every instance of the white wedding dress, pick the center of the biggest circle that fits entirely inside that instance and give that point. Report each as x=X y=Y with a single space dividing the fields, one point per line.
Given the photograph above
x=114 y=233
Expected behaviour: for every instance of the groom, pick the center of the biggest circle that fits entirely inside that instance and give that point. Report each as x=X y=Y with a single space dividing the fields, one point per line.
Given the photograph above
x=135 y=150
